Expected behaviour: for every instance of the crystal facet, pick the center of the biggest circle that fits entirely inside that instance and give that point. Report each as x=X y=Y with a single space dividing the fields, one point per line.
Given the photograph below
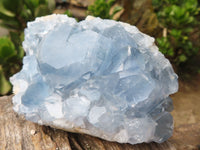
x=99 y=77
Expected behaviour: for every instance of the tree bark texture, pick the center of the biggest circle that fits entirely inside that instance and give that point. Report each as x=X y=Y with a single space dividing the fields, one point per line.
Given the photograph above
x=16 y=133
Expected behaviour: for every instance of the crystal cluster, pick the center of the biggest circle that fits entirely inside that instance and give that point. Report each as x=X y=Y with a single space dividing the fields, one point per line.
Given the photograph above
x=99 y=77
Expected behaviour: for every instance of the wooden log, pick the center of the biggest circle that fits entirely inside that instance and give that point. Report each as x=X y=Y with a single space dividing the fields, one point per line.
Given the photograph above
x=16 y=133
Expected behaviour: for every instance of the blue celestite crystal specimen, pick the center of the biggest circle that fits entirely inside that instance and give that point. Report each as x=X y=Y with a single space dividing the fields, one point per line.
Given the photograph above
x=99 y=77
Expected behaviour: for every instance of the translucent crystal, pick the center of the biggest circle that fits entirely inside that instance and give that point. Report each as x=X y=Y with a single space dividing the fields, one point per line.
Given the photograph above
x=99 y=77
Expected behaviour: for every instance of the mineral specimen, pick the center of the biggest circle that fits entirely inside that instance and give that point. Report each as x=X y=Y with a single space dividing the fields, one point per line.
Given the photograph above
x=99 y=77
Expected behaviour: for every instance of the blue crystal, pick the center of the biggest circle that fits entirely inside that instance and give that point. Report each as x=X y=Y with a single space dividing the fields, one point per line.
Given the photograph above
x=99 y=77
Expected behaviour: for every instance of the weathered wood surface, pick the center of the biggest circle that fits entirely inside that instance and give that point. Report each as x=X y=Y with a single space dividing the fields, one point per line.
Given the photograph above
x=18 y=134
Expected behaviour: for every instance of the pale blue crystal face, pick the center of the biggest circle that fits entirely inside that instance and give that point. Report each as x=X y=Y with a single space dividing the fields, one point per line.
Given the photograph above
x=99 y=77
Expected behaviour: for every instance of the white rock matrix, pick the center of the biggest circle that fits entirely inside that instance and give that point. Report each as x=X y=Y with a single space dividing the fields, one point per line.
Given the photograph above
x=99 y=77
